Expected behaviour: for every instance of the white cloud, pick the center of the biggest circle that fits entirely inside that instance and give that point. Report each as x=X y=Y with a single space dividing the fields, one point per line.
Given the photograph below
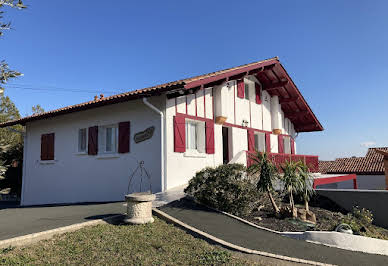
x=367 y=144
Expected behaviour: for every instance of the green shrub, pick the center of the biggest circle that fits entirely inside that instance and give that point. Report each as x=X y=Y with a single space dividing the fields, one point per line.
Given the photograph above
x=359 y=218
x=226 y=188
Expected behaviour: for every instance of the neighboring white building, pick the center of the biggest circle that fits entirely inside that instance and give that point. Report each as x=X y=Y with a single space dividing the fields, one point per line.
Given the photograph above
x=370 y=170
x=87 y=152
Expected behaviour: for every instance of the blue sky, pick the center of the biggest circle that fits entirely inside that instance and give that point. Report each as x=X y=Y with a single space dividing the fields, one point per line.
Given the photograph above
x=335 y=51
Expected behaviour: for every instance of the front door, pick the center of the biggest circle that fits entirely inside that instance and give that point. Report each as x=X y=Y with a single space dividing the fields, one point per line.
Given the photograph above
x=225 y=145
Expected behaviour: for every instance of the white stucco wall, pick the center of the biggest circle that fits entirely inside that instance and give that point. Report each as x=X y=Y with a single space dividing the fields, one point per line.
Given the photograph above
x=181 y=167
x=83 y=178
x=266 y=104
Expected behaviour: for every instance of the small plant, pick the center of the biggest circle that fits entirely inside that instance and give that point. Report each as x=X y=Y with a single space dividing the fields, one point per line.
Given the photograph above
x=292 y=181
x=225 y=187
x=267 y=173
x=307 y=181
x=359 y=219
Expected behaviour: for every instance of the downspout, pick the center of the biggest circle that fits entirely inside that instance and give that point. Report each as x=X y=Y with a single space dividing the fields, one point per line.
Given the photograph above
x=162 y=165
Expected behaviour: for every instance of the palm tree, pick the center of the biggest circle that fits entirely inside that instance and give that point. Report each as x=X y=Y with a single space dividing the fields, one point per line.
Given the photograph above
x=267 y=172
x=307 y=184
x=291 y=181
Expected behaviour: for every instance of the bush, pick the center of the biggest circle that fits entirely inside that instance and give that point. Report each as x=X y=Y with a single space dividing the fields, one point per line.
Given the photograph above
x=359 y=219
x=226 y=188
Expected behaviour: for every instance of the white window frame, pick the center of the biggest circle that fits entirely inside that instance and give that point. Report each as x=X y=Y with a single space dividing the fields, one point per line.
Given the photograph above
x=200 y=138
x=247 y=90
x=79 y=151
x=102 y=139
x=287 y=147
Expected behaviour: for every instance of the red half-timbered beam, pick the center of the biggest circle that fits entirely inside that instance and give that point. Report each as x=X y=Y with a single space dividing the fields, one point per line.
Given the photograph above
x=227 y=74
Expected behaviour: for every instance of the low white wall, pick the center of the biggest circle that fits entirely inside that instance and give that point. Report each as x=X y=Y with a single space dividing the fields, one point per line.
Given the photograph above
x=343 y=241
x=82 y=178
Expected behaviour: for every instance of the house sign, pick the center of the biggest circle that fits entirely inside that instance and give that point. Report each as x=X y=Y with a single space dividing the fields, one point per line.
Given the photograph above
x=144 y=135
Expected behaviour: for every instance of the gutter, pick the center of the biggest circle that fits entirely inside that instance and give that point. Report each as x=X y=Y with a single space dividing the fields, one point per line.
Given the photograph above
x=162 y=165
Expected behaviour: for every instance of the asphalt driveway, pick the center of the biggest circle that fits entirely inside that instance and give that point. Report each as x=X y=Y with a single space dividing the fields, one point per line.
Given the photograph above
x=17 y=221
x=239 y=233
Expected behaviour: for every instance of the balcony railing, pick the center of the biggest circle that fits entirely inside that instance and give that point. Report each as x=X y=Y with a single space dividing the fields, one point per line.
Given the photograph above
x=280 y=158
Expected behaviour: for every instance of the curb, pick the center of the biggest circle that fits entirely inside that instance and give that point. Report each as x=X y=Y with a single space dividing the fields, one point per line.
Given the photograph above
x=35 y=237
x=229 y=245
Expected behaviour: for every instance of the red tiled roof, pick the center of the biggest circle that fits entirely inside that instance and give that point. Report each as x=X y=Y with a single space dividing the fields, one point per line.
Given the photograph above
x=372 y=163
x=271 y=72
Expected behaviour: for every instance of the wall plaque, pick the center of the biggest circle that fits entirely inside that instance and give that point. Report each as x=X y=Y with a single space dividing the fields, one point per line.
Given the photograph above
x=144 y=135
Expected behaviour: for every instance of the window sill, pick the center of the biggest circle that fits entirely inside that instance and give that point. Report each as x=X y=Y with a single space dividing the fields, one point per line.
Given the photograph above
x=108 y=156
x=194 y=154
x=81 y=153
x=47 y=161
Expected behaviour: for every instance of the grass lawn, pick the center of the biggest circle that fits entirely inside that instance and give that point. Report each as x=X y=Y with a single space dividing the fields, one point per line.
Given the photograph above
x=158 y=243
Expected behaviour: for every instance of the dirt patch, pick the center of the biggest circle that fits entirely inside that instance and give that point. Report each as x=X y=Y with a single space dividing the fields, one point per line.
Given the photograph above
x=328 y=215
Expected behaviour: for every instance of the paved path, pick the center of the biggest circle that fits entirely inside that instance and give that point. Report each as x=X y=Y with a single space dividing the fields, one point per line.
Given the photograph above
x=17 y=221
x=236 y=232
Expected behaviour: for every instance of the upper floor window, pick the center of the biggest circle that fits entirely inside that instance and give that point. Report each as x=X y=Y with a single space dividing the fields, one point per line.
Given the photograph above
x=195 y=135
x=260 y=141
x=82 y=140
x=287 y=144
x=246 y=90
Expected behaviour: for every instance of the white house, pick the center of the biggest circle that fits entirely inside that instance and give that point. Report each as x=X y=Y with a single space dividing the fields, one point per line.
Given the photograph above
x=87 y=152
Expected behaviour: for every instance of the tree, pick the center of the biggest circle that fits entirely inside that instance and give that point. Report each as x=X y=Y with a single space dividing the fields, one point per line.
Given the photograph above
x=292 y=182
x=307 y=180
x=8 y=111
x=11 y=138
x=37 y=109
x=5 y=72
x=267 y=173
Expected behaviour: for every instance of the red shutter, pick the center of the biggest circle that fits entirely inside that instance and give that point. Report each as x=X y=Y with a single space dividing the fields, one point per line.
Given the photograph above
x=280 y=144
x=179 y=134
x=268 y=142
x=292 y=145
x=251 y=141
x=93 y=140
x=258 y=93
x=210 y=137
x=47 y=147
x=124 y=131
x=240 y=88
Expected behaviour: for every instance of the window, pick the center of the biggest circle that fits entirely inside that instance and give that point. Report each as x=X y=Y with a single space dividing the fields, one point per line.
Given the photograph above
x=260 y=141
x=195 y=135
x=82 y=140
x=246 y=90
x=109 y=135
x=287 y=145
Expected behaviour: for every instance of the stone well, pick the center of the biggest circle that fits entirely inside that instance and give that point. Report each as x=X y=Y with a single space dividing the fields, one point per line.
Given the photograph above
x=139 y=208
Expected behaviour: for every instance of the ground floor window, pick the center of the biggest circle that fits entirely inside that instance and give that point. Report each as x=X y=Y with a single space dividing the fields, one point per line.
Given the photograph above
x=195 y=135
x=109 y=136
x=82 y=140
